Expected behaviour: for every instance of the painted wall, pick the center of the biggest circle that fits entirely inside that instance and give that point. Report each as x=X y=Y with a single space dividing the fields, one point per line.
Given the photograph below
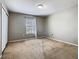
x=0 y=30
x=63 y=25
x=40 y=26
x=17 y=26
x=0 y=1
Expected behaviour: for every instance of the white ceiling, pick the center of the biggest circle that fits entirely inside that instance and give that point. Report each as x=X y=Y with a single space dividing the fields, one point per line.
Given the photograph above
x=30 y=6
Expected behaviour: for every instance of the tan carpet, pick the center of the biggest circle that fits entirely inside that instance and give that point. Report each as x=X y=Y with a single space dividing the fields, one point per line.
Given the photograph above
x=40 y=49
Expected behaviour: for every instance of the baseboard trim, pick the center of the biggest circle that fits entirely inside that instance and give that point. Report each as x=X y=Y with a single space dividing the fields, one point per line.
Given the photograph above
x=17 y=40
x=63 y=41
x=47 y=38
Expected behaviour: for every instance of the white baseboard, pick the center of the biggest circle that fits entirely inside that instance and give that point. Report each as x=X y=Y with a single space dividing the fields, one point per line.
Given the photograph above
x=63 y=41
x=47 y=38
x=17 y=40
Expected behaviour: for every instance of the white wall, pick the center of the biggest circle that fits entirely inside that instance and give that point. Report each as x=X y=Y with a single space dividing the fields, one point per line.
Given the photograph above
x=64 y=25
x=0 y=30
x=17 y=26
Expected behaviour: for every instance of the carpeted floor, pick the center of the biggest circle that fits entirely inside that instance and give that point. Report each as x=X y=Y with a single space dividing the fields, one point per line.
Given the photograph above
x=40 y=49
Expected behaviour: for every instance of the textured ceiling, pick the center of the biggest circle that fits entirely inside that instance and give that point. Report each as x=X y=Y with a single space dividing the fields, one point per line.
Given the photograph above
x=30 y=6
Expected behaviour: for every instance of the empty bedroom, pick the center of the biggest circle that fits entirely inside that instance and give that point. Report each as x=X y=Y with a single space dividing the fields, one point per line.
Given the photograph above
x=39 y=29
